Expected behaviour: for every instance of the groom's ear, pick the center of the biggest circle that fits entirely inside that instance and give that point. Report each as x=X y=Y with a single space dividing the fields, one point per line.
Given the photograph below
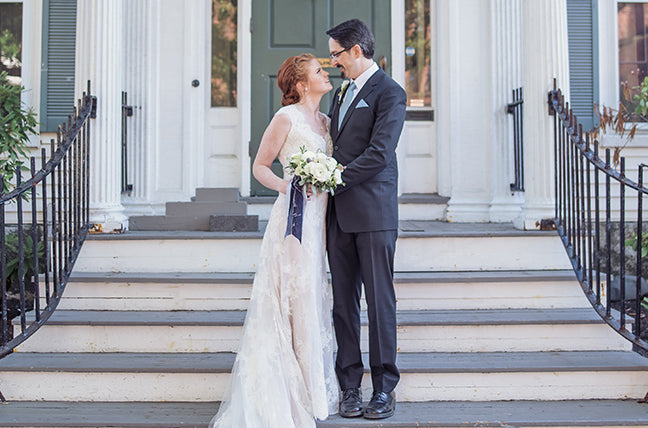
x=356 y=52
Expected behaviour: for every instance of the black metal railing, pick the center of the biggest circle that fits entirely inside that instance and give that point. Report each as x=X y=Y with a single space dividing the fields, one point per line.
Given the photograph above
x=592 y=205
x=127 y=111
x=41 y=239
x=515 y=109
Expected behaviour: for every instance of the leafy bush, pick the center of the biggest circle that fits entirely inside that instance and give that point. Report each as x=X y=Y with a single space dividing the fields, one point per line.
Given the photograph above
x=13 y=260
x=11 y=248
x=633 y=242
x=16 y=125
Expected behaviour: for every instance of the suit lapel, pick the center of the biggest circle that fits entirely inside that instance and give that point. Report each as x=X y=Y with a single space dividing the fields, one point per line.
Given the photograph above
x=334 y=112
x=366 y=90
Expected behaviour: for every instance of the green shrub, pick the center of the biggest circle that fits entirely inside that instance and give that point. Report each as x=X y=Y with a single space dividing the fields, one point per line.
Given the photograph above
x=16 y=125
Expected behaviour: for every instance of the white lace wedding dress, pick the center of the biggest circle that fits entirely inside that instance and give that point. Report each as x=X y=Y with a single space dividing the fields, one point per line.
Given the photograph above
x=284 y=374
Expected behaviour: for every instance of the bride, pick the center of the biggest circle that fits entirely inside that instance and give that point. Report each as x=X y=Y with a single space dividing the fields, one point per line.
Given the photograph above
x=284 y=374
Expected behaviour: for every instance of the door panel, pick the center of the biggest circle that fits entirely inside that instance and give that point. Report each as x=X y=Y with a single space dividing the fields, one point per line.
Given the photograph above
x=283 y=28
x=288 y=32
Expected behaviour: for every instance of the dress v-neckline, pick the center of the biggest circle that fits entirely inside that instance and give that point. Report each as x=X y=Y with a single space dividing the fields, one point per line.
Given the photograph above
x=322 y=136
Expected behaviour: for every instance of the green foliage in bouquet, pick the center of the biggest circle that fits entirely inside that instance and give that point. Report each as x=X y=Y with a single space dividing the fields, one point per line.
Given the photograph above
x=322 y=172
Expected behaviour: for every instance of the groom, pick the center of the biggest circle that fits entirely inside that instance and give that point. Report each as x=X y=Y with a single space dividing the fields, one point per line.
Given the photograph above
x=367 y=117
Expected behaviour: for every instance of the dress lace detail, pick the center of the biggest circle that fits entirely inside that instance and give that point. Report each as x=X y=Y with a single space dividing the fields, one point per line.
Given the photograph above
x=284 y=373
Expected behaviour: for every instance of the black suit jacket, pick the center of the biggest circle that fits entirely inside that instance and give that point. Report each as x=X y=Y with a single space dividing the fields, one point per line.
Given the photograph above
x=366 y=144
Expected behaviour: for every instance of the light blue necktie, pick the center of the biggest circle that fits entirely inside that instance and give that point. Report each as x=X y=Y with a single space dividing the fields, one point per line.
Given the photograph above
x=348 y=96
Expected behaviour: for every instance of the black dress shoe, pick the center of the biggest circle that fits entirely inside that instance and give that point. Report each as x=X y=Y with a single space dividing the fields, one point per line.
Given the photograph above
x=351 y=403
x=381 y=406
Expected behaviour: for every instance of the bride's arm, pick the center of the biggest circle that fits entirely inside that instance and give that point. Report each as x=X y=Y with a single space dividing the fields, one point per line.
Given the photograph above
x=271 y=143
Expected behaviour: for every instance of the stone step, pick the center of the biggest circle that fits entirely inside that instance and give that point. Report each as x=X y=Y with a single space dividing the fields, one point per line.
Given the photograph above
x=166 y=223
x=599 y=413
x=205 y=209
x=217 y=194
x=520 y=330
x=231 y=290
x=422 y=246
x=203 y=377
x=194 y=221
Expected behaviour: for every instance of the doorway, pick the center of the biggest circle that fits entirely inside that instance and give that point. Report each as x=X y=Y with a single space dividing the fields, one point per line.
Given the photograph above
x=283 y=28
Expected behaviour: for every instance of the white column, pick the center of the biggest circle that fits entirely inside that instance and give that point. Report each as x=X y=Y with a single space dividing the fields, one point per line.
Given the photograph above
x=99 y=59
x=545 y=57
x=506 y=72
x=466 y=116
x=140 y=81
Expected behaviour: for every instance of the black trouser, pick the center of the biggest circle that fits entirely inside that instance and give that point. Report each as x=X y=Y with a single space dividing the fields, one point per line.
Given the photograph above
x=354 y=259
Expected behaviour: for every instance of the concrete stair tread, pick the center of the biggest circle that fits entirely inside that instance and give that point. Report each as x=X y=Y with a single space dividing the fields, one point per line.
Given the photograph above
x=471 y=317
x=434 y=362
x=399 y=277
x=407 y=229
x=423 y=414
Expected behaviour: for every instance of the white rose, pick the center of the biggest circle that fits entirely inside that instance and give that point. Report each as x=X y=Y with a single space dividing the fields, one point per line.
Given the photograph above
x=320 y=172
x=308 y=155
x=331 y=163
x=337 y=176
x=321 y=157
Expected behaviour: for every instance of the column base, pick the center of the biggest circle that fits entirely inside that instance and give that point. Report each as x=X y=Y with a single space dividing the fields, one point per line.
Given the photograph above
x=530 y=217
x=467 y=211
x=108 y=218
x=506 y=210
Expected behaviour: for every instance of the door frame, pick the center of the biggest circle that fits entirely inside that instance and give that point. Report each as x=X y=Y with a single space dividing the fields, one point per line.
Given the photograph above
x=244 y=84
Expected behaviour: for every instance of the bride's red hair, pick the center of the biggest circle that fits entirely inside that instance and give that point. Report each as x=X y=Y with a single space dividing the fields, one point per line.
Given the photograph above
x=292 y=71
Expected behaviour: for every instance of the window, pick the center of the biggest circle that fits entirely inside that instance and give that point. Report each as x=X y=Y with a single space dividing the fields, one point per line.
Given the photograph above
x=223 y=64
x=633 y=54
x=57 y=62
x=11 y=40
x=417 y=53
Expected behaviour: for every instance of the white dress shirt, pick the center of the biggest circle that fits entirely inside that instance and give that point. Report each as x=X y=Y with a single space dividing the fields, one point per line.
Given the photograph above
x=362 y=79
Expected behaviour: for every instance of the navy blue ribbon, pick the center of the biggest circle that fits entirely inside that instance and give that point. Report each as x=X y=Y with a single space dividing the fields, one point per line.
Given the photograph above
x=295 y=209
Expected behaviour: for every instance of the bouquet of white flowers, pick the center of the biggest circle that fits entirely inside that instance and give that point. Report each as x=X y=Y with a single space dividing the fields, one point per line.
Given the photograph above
x=322 y=172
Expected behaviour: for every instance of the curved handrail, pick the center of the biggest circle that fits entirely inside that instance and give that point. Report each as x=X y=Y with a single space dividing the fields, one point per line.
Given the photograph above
x=45 y=249
x=584 y=183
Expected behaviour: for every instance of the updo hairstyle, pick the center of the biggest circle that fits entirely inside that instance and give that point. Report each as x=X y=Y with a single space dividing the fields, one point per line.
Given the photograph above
x=292 y=71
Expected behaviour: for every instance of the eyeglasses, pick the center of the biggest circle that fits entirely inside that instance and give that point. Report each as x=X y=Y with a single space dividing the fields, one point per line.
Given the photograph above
x=335 y=55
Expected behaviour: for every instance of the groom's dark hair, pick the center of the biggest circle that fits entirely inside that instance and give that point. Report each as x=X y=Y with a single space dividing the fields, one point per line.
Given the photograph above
x=354 y=32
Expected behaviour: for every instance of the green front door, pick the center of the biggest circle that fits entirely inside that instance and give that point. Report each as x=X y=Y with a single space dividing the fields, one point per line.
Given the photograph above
x=283 y=28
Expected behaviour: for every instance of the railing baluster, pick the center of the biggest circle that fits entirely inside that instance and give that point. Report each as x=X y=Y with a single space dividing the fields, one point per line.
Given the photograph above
x=66 y=211
x=3 y=268
x=597 y=253
x=21 y=256
x=588 y=185
x=637 y=323
x=582 y=224
x=34 y=236
x=577 y=198
x=46 y=229
x=59 y=217
x=622 y=278
x=608 y=237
